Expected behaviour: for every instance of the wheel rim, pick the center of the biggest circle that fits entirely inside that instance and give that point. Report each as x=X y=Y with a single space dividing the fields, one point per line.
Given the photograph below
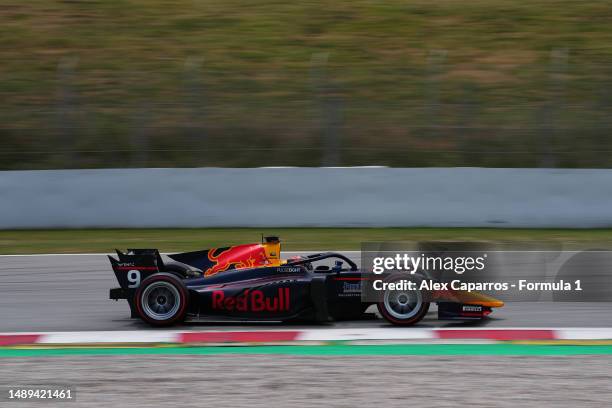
x=161 y=300
x=403 y=304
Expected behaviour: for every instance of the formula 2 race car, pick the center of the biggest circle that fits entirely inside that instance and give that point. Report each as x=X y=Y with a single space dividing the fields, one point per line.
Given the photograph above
x=251 y=283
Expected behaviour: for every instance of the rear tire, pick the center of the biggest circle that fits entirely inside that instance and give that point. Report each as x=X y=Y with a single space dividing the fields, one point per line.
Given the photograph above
x=161 y=300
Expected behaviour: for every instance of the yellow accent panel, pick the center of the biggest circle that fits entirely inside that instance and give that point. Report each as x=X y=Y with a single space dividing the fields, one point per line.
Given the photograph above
x=273 y=250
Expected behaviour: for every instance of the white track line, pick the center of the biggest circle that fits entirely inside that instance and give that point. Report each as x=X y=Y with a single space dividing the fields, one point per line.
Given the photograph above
x=109 y=337
x=596 y=333
x=174 y=336
x=367 y=334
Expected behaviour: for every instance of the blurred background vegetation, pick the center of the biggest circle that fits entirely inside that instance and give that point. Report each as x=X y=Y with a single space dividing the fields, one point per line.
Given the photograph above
x=240 y=83
x=293 y=239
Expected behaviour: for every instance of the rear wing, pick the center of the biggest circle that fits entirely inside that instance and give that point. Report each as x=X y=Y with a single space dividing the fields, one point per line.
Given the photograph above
x=131 y=253
x=133 y=267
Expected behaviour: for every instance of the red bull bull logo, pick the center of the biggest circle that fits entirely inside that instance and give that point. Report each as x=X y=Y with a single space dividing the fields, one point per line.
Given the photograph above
x=236 y=257
x=252 y=301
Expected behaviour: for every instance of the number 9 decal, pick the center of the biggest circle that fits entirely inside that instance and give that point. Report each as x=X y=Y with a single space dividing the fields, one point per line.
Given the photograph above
x=133 y=277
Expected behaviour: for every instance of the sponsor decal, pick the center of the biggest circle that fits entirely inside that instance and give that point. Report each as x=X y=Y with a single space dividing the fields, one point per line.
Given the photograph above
x=125 y=263
x=128 y=266
x=236 y=257
x=351 y=289
x=291 y=269
x=252 y=301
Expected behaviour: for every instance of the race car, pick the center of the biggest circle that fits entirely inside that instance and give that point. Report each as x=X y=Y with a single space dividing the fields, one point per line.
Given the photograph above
x=252 y=283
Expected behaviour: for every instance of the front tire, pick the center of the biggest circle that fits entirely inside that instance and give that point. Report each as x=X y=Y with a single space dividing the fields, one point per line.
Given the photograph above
x=161 y=300
x=403 y=307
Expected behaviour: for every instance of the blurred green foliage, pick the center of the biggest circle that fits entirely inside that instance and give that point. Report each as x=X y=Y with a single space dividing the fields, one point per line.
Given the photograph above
x=126 y=83
x=293 y=239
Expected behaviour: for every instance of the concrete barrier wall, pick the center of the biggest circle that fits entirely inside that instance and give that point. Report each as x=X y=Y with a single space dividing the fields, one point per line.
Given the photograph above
x=207 y=197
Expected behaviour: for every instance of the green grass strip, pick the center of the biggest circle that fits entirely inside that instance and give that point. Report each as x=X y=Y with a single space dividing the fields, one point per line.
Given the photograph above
x=332 y=350
x=310 y=239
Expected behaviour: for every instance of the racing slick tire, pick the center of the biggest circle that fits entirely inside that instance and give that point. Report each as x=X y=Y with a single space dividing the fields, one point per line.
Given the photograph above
x=161 y=300
x=403 y=307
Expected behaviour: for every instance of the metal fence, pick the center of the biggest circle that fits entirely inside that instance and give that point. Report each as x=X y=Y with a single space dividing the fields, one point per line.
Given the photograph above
x=553 y=111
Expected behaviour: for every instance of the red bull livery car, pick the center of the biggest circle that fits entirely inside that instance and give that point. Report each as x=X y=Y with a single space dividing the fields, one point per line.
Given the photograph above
x=252 y=283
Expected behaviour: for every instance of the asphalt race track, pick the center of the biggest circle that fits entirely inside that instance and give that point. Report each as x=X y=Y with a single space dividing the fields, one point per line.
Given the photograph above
x=70 y=293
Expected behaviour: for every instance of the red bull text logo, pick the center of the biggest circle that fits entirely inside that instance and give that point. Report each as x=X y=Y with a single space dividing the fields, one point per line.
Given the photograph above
x=237 y=257
x=252 y=301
